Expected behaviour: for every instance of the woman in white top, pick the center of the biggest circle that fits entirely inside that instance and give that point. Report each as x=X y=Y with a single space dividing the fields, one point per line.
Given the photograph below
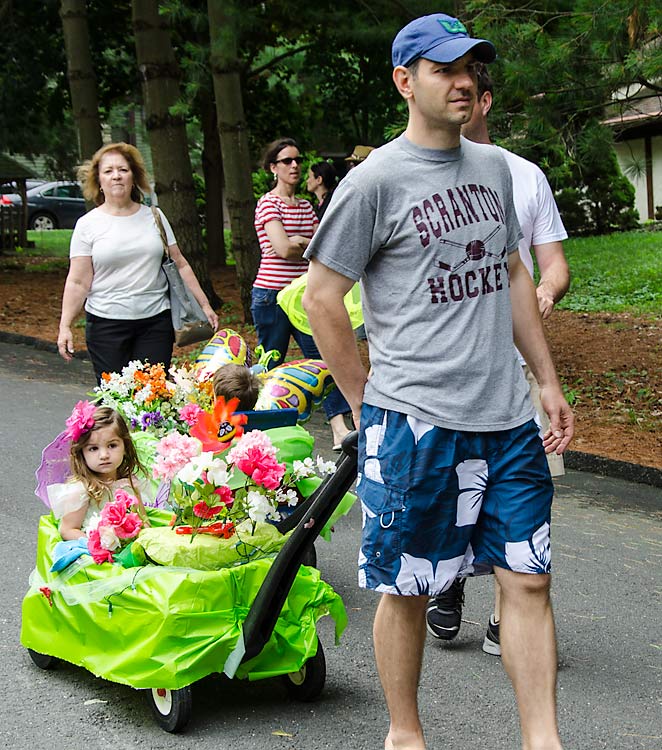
x=115 y=268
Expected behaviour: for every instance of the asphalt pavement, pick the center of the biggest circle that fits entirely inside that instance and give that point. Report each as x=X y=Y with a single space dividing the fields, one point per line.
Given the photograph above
x=607 y=551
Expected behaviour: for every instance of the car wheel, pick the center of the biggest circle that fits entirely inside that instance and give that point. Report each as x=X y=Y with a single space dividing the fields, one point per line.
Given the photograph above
x=43 y=222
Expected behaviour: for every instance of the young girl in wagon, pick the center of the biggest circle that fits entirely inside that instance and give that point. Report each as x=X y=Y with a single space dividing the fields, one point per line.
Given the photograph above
x=103 y=459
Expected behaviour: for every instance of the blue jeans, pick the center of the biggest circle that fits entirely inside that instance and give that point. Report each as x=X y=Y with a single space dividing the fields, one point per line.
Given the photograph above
x=273 y=332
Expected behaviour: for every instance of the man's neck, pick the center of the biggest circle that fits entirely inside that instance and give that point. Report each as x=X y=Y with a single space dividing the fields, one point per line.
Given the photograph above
x=477 y=132
x=420 y=134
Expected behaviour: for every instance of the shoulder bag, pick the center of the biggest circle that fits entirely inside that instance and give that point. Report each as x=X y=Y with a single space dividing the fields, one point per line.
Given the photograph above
x=188 y=319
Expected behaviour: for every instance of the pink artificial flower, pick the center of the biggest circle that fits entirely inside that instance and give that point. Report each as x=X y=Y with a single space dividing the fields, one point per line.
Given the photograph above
x=116 y=515
x=261 y=467
x=81 y=420
x=256 y=439
x=225 y=495
x=99 y=554
x=174 y=452
x=202 y=510
x=189 y=414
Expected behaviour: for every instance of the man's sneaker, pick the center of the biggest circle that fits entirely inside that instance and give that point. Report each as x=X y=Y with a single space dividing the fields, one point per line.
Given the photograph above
x=444 y=612
x=491 y=644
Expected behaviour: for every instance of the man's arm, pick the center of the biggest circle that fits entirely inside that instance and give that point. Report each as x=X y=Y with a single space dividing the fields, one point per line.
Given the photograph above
x=332 y=330
x=530 y=340
x=554 y=276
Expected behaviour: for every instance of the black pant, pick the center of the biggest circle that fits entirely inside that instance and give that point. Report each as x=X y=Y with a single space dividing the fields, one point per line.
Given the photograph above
x=112 y=344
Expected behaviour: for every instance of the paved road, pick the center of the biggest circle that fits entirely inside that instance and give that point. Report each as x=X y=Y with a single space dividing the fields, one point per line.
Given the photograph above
x=608 y=556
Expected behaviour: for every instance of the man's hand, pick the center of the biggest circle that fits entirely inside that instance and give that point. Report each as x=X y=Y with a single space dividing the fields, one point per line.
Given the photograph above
x=545 y=300
x=561 y=418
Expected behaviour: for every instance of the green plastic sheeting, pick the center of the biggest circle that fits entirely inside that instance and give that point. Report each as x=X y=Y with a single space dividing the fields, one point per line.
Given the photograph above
x=165 y=627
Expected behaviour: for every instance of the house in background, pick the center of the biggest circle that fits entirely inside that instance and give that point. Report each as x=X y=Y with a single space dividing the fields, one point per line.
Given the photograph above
x=636 y=119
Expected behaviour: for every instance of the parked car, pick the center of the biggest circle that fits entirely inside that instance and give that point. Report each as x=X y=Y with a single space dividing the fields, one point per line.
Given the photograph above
x=10 y=187
x=51 y=205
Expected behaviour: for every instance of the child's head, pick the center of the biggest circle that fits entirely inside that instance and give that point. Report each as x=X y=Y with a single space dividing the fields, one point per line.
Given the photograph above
x=104 y=451
x=237 y=381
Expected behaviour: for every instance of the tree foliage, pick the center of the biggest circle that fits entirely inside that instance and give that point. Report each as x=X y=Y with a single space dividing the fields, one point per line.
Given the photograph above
x=560 y=62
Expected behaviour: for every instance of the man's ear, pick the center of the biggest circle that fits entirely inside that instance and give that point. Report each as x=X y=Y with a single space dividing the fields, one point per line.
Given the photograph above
x=486 y=103
x=402 y=79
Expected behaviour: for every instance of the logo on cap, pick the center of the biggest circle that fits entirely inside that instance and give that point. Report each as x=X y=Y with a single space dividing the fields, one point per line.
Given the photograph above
x=454 y=26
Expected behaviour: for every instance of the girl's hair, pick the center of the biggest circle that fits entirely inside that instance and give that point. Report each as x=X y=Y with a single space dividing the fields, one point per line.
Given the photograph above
x=237 y=381
x=327 y=172
x=105 y=417
x=88 y=173
x=274 y=148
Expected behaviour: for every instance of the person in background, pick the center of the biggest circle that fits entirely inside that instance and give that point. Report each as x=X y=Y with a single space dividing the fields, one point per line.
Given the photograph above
x=321 y=183
x=285 y=225
x=452 y=474
x=115 y=268
x=358 y=156
x=543 y=233
x=237 y=381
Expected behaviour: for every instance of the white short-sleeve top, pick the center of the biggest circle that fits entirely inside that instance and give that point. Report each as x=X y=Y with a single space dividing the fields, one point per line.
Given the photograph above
x=69 y=497
x=126 y=252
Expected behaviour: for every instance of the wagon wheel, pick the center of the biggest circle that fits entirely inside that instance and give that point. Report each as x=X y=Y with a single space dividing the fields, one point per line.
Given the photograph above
x=43 y=661
x=172 y=709
x=306 y=684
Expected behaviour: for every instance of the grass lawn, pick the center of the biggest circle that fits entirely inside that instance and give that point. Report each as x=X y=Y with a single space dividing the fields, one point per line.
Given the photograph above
x=54 y=243
x=615 y=273
x=611 y=273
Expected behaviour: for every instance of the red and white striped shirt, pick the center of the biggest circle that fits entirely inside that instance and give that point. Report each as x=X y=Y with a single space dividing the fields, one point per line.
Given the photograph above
x=276 y=272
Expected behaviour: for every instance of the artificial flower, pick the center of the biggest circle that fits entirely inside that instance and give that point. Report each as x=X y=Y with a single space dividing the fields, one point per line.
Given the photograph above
x=216 y=431
x=202 y=510
x=81 y=420
x=99 y=553
x=174 y=451
x=189 y=413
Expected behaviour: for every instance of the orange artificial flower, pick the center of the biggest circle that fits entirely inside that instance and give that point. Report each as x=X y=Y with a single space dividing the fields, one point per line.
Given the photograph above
x=216 y=431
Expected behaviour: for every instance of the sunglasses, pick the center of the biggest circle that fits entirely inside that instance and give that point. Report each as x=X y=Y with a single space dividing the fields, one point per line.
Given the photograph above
x=289 y=159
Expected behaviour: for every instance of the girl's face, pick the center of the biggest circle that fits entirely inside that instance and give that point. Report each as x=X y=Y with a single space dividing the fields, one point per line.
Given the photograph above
x=287 y=167
x=104 y=453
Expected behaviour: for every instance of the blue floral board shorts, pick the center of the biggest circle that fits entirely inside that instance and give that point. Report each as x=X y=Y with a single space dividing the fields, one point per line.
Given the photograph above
x=441 y=503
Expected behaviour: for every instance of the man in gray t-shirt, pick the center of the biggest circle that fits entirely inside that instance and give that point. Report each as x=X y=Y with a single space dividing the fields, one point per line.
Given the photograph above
x=452 y=475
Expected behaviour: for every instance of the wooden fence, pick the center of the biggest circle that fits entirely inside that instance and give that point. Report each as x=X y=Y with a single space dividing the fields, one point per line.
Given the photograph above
x=12 y=231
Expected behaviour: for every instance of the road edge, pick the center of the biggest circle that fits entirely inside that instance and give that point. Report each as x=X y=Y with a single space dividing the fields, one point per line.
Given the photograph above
x=575 y=460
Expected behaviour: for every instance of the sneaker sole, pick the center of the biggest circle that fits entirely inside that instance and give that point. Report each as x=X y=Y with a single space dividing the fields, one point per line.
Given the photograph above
x=490 y=647
x=448 y=635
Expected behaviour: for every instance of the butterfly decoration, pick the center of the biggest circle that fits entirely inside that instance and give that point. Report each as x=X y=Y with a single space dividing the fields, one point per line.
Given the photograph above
x=225 y=347
x=301 y=385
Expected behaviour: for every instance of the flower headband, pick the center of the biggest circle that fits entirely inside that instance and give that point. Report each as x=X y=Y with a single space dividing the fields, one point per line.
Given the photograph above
x=81 y=420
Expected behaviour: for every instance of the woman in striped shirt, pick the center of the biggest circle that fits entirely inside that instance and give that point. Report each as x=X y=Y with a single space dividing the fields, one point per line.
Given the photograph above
x=285 y=225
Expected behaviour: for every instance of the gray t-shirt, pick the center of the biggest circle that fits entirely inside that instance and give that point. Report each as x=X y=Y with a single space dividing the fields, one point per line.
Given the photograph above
x=428 y=234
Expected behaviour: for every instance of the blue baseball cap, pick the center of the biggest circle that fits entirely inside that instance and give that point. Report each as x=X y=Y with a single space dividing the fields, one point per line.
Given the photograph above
x=439 y=38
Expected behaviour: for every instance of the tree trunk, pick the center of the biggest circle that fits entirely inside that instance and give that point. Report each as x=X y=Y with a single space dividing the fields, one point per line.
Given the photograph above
x=234 y=144
x=173 y=173
x=212 y=166
x=82 y=81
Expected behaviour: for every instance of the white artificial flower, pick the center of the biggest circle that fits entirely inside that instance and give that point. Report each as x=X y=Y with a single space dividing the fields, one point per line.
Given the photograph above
x=108 y=538
x=259 y=507
x=325 y=467
x=217 y=472
x=288 y=496
x=143 y=394
x=304 y=468
x=190 y=473
x=93 y=522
